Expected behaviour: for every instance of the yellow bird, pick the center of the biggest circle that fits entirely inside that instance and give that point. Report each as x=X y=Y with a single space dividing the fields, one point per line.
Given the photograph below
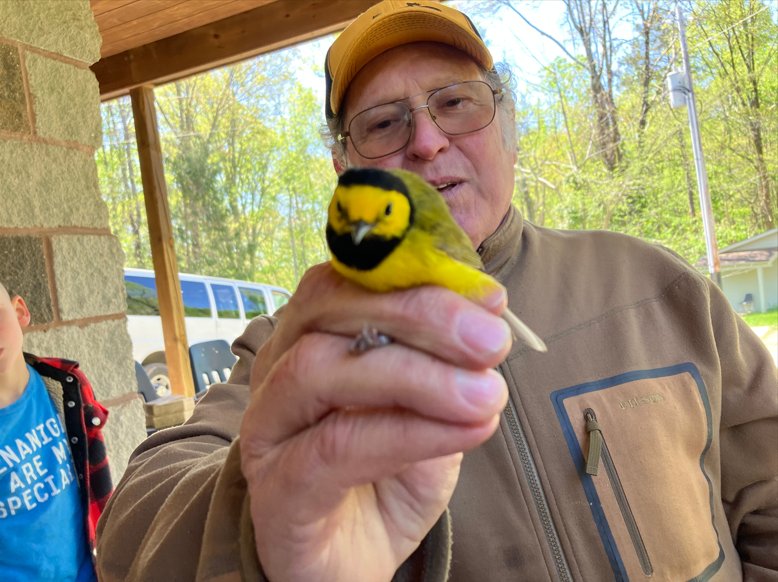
x=390 y=230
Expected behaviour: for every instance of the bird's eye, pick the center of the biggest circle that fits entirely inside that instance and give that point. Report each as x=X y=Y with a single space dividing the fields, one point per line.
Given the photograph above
x=339 y=207
x=388 y=209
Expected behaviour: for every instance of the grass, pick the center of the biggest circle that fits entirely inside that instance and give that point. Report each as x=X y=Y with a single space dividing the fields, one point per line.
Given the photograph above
x=770 y=319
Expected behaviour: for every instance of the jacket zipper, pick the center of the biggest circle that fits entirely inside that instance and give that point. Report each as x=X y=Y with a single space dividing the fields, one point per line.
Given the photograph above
x=597 y=450
x=539 y=497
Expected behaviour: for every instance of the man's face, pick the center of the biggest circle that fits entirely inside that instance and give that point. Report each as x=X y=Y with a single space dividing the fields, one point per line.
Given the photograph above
x=13 y=317
x=477 y=163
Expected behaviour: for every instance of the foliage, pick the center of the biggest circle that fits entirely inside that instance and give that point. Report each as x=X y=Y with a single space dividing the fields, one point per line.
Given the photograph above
x=247 y=178
x=645 y=184
x=598 y=145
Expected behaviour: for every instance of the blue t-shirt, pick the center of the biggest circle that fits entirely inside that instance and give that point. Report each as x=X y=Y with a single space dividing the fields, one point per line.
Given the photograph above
x=42 y=532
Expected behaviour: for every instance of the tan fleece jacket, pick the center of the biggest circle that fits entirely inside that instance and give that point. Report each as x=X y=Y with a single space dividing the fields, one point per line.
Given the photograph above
x=648 y=366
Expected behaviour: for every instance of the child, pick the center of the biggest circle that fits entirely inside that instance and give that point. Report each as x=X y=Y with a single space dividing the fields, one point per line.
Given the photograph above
x=54 y=477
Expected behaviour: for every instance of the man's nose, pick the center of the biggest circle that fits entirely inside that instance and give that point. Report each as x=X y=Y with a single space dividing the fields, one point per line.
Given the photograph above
x=427 y=139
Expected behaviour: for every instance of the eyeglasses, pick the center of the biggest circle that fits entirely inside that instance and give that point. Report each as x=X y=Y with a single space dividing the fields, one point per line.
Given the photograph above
x=457 y=110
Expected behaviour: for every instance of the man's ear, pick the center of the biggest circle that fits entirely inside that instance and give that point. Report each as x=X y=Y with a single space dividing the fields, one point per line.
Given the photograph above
x=22 y=313
x=339 y=169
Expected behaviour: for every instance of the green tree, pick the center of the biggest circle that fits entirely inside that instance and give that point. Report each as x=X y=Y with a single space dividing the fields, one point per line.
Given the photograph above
x=248 y=178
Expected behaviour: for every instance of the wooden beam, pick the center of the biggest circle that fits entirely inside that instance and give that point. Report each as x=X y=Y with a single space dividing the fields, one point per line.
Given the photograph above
x=270 y=27
x=139 y=25
x=163 y=252
x=101 y=6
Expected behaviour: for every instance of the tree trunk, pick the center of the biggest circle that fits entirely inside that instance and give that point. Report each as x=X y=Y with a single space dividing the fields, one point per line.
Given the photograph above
x=584 y=21
x=129 y=180
x=648 y=18
x=291 y=240
x=763 y=182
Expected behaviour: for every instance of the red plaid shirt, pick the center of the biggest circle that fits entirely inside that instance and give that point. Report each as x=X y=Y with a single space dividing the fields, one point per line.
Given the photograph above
x=84 y=421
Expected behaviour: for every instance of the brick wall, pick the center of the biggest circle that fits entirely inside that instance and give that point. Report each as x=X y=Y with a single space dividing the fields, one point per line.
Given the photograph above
x=56 y=248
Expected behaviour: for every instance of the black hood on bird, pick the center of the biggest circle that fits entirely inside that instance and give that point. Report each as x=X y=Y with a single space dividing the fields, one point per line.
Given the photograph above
x=373 y=177
x=369 y=253
x=366 y=255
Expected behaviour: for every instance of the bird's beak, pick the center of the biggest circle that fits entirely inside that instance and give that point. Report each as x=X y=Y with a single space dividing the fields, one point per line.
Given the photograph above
x=359 y=229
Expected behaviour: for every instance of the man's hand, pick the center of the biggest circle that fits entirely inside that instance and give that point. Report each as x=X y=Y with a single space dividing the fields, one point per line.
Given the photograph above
x=350 y=460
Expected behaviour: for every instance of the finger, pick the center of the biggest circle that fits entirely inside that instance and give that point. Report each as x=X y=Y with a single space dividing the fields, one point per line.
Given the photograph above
x=432 y=319
x=355 y=447
x=412 y=500
x=318 y=375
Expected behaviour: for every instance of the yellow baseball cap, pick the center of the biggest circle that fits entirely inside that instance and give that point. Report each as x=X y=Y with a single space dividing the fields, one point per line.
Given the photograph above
x=393 y=23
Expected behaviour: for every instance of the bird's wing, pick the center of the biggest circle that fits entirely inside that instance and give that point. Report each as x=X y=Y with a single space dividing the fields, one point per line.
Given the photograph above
x=431 y=214
x=457 y=247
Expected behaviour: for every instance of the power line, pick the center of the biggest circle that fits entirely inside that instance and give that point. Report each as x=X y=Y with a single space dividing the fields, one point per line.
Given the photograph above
x=726 y=29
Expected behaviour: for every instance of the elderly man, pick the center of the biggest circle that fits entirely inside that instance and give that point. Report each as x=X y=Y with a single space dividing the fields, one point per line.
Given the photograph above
x=642 y=444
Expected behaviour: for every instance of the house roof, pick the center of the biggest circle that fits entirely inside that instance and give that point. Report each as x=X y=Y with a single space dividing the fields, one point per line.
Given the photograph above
x=148 y=42
x=742 y=258
x=747 y=241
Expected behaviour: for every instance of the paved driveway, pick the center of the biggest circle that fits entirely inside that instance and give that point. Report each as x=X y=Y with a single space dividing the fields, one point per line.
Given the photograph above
x=770 y=339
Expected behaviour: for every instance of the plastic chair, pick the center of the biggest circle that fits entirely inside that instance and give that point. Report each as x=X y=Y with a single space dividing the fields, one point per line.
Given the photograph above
x=145 y=387
x=211 y=363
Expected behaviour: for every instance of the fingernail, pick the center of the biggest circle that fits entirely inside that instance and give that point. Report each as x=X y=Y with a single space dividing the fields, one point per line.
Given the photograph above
x=482 y=332
x=479 y=389
x=494 y=299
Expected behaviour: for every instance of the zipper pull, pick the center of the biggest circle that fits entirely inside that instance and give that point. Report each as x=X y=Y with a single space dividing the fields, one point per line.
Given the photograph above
x=595 y=442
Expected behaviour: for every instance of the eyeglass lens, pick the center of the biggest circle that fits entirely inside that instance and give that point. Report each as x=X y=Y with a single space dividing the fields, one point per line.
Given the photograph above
x=456 y=110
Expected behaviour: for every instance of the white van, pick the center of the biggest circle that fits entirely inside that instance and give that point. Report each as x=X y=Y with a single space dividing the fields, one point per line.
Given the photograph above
x=214 y=308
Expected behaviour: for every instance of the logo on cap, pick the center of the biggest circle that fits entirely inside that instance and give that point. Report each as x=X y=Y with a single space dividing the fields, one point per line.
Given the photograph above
x=412 y=4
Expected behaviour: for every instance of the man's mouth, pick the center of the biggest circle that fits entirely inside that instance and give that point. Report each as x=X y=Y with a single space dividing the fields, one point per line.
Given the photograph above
x=446 y=187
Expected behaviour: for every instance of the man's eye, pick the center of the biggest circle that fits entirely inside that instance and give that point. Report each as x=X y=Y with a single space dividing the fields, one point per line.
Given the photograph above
x=382 y=126
x=455 y=102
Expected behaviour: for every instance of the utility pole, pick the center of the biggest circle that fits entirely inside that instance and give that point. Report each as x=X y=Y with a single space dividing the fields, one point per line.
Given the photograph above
x=706 y=208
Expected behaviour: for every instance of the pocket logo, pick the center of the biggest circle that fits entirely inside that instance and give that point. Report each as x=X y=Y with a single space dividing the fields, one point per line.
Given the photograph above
x=633 y=402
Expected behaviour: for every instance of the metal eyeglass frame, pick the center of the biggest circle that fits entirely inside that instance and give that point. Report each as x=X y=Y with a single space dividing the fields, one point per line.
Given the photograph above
x=495 y=92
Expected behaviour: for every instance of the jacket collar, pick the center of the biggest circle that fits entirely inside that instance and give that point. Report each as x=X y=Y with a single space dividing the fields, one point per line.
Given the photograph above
x=501 y=249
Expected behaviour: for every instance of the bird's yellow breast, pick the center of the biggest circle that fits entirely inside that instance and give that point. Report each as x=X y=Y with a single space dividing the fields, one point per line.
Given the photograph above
x=416 y=261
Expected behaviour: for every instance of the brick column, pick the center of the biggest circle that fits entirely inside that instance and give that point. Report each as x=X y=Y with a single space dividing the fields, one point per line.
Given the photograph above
x=56 y=248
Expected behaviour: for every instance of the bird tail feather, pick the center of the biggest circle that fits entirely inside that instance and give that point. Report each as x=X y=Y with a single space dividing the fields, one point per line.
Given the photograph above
x=523 y=332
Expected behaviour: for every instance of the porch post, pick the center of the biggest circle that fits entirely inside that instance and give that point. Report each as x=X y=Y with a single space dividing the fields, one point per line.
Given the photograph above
x=760 y=277
x=163 y=252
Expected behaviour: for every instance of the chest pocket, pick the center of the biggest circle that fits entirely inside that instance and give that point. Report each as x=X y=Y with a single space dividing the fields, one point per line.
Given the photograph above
x=638 y=441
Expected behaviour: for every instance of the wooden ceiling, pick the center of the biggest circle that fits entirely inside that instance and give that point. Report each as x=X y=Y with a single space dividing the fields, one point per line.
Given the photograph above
x=126 y=24
x=149 y=42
